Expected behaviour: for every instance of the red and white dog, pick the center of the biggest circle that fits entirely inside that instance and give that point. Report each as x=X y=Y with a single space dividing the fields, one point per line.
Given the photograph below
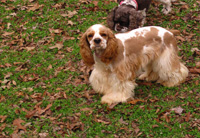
x=149 y=53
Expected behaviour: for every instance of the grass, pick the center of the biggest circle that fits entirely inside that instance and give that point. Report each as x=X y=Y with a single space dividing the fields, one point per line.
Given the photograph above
x=52 y=83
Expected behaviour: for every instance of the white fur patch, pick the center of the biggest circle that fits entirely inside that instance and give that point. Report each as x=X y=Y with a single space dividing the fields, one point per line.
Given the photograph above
x=130 y=2
x=96 y=29
x=140 y=31
x=110 y=86
x=162 y=32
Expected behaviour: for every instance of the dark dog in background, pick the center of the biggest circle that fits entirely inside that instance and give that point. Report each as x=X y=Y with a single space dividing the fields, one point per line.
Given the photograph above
x=130 y=14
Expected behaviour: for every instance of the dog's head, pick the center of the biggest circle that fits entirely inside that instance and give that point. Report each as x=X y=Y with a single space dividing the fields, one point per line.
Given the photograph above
x=100 y=40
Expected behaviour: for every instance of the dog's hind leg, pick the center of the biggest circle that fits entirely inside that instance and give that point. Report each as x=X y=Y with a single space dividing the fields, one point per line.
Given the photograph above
x=170 y=70
x=149 y=74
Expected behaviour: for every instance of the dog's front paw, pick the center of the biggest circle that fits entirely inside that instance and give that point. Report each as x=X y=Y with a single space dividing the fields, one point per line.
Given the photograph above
x=116 y=97
x=143 y=76
x=108 y=100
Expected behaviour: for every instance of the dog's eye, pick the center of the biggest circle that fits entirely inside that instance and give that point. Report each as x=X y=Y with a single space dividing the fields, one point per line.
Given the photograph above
x=90 y=35
x=103 y=35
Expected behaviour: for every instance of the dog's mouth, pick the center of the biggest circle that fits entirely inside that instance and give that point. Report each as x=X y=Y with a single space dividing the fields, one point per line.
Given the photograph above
x=97 y=47
x=98 y=52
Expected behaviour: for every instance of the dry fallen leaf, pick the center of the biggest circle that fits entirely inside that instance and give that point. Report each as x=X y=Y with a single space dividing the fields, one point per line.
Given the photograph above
x=2 y=127
x=135 y=101
x=68 y=38
x=71 y=13
x=30 y=113
x=180 y=38
x=95 y=3
x=84 y=1
x=30 y=48
x=8 y=74
x=7 y=33
x=44 y=110
x=69 y=49
x=14 y=82
x=195 y=49
x=198 y=64
x=34 y=7
x=43 y=135
x=17 y=123
x=70 y=23
x=64 y=15
x=154 y=126
x=49 y=67
x=175 y=32
x=178 y=110
x=8 y=25
x=2 y=118
x=58 y=45
x=122 y=121
x=110 y=107
x=102 y=121
x=3 y=1
x=86 y=109
x=187 y=117
x=56 y=31
x=194 y=70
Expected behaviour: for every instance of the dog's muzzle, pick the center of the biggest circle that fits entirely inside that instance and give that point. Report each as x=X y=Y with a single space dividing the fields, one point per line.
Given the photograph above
x=97 y=40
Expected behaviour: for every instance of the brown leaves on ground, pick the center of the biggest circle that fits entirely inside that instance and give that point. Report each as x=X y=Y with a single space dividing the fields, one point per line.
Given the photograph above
x=16 y=39
x=58 y=46
x=135 y=101
x=102 y=120
x=177 y=110
x=7 y=83
x=37 y=110
x=19 y=126
x=180 y=115
x=195 y=70
x=34 y=7
x=70 y=14
x=19 y=40
x=2 y=118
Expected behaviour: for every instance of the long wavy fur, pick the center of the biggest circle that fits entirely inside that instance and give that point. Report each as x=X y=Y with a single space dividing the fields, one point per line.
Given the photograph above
x=85 y=51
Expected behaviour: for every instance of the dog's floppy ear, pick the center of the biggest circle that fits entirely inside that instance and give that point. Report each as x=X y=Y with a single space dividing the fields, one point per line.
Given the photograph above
x=111 y=50
x=135 y=19
x=110 y=18
x=85 y=50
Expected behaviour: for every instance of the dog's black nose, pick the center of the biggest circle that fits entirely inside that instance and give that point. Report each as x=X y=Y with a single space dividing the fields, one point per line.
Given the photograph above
x=97 y=40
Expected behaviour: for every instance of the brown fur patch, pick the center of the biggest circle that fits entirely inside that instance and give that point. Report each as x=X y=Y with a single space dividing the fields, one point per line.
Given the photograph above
x=134 y=45
x=125 y=67
x=112 y=45
x=170 y=40
x=174 y=61
x=152 y=35
x=89 y=33
x=120 y=55
x=85 y=51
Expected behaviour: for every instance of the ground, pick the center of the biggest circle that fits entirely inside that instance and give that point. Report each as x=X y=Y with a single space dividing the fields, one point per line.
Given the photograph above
x=44 y=89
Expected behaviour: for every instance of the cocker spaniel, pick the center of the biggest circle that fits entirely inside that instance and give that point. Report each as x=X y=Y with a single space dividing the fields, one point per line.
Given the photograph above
x=131 y=14
x=149 y=53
